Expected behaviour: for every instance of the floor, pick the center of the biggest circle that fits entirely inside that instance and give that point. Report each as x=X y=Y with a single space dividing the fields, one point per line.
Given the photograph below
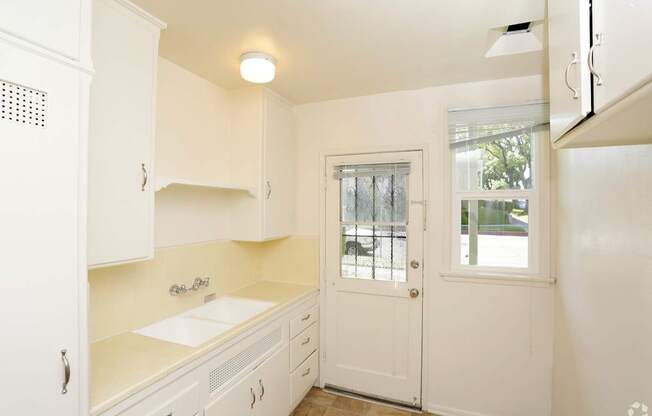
x=321 y=403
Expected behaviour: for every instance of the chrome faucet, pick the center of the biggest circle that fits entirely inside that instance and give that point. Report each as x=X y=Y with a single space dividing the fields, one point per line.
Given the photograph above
x=199 y=283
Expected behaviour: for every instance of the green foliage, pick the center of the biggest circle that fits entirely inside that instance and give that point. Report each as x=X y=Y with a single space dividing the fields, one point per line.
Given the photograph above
x=507 y=163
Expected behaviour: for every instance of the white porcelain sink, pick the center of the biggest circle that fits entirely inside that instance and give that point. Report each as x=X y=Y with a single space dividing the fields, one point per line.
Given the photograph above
x=184 y=330
x=231 y=310
x=196 y=326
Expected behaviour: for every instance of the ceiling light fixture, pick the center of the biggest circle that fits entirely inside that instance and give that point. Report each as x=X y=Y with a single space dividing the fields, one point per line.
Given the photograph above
x=257 y=67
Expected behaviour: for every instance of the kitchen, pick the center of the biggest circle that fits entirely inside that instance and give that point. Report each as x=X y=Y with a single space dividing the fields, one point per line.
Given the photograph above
x=326 y=208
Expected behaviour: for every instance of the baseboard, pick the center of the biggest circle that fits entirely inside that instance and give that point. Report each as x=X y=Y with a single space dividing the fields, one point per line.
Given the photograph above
x=451 y=411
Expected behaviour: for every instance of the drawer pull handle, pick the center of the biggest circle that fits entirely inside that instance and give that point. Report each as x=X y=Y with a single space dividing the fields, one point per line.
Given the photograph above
x=145 y=177
x=66 y=371
x=262 y=389
x=305 y=318
x=575 y=91
x=305 y=373
x=253 y=398
x=306 y=342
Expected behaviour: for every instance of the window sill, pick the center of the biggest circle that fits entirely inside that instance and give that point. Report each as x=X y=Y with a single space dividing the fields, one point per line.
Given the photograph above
x=496 y=278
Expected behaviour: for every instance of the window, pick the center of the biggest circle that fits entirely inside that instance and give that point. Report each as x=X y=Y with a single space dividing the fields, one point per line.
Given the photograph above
x=496 y=193
x=373 y=221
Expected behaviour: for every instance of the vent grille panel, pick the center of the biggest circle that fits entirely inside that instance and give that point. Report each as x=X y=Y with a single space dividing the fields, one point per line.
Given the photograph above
x=22 y=104
x=229 y=369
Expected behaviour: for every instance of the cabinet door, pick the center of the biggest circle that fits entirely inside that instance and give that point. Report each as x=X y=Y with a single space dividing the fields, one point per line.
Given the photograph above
x=51 y=24
x=239 y=400
x=279 y=172
x=570 y=80
x=622 y=33
x=121 y=192
x=42 y=271
x=273 y=385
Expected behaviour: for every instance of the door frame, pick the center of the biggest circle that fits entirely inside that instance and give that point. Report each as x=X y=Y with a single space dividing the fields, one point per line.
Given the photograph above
x=428 y=258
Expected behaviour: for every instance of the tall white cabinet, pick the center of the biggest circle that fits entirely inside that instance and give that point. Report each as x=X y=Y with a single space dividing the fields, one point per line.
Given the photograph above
x=263 y=154
x=121 y=137
x=44 y=82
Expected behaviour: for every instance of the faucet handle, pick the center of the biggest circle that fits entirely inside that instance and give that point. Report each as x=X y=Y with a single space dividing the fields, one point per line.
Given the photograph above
x=206 y=281
x=176 y=290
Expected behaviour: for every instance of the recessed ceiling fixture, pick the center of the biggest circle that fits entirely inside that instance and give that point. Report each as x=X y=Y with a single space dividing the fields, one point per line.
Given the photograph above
x=257 y=67
x=514 y=39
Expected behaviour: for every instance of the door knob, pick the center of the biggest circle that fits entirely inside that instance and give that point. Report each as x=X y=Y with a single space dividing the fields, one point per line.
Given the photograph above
x=414 y=264
x=414 y=293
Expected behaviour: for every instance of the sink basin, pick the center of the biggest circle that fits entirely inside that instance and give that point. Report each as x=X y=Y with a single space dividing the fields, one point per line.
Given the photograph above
x=230 y=310
x=196 y=326
x=184 y=330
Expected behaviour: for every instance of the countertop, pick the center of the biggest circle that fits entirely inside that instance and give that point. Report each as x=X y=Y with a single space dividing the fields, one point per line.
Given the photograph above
x=128 y=363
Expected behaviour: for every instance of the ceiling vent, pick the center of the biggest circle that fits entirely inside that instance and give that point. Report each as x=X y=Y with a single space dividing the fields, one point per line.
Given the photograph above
x=514 y=39
x=518 y=28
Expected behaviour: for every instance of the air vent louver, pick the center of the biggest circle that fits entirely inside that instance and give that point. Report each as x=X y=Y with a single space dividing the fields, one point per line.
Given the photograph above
x=22 y=104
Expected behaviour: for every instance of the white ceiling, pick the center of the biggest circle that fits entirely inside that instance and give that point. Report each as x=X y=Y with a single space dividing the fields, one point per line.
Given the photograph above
x=340 y=48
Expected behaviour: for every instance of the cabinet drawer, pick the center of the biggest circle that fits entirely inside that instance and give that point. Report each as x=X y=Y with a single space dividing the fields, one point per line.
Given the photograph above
x=303 y=345
x=303 y=320
x=304 y=377
x=177 y=399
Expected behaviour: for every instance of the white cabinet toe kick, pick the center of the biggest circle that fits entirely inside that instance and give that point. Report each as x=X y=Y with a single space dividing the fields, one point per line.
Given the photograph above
x=267 y=373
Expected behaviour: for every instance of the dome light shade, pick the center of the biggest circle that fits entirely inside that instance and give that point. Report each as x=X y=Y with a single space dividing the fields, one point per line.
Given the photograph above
x=257 y=67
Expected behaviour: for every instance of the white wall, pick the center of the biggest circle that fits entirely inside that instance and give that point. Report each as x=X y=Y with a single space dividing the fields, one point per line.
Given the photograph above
x=192 y=142
x=490 y=345
x=603 y=325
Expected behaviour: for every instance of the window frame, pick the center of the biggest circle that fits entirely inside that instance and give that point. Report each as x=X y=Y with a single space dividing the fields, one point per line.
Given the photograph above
x=538 y=217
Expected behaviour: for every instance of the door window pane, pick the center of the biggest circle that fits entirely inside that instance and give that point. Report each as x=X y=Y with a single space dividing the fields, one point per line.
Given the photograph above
x=494 y=233
x=373 y=214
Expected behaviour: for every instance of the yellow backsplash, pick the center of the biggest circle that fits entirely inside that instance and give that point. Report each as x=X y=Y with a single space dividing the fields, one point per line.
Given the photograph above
x=130 y=296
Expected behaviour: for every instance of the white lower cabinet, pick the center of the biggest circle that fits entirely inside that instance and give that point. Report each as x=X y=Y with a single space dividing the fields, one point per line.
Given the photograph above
x=266 y=373
x=264 y=392
x=303 y=378
x=179 y=398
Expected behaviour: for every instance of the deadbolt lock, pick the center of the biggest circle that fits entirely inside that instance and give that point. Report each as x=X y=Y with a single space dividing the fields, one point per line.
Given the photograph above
x=414 y=264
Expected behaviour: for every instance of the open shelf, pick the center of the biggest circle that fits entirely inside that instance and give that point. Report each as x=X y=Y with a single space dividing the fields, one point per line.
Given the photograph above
x=163 y=182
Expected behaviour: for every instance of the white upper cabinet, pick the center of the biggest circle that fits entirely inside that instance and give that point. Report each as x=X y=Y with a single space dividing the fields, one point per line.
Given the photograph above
x=570 y=79
x=262 y=156
x=121 y=137
x=52 y=24
x=622 y=32
x=600 y=72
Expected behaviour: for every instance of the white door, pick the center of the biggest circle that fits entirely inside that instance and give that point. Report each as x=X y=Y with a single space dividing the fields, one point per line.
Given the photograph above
x=622 y=33
x=239 y=400
x=374 y=250
x=273 y=385
x=570 y=79
x=279 y=174
x=120 y=191
x=41 y=239
x=52 y=24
